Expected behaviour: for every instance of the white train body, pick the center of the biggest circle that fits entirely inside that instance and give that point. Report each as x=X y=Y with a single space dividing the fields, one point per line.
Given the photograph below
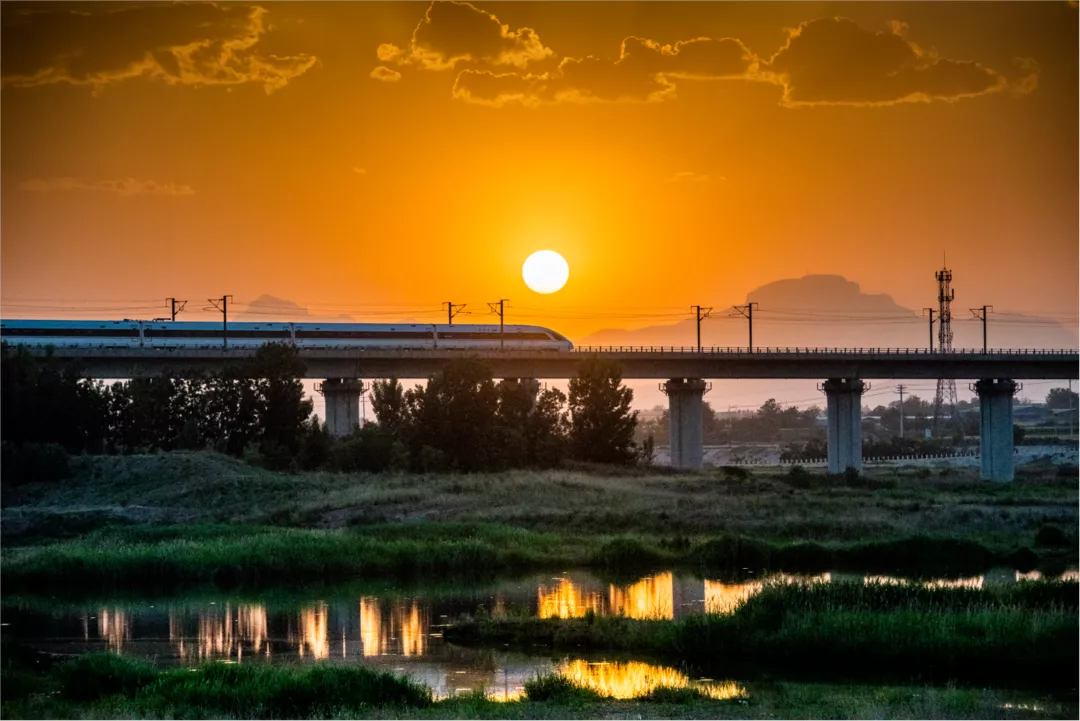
x=148 y=335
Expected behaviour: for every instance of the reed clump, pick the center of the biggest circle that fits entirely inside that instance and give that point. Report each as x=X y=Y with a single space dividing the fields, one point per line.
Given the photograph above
x=1020 y=636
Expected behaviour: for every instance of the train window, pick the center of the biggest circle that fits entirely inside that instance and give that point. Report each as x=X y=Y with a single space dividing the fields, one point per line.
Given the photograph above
x=201 y=333
x=466 y=335
x=70 y=332
x=363 y=335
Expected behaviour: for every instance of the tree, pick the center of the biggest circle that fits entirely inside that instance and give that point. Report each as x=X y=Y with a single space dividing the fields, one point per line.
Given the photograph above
x=601 y=422
x=281 y=407
x=47 y=401
x=388 y=403
x=516 y=401
x=229 y=409
x=315 y=448
x=454 y=417
x=546 y=428
x=710 y=425
x=769 y=417
x=1062 y=398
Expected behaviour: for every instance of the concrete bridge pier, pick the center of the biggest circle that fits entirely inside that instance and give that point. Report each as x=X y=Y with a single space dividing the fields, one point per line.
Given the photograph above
x=996 y=427
x=342 y=404
x=684 y=421
x=843 y=398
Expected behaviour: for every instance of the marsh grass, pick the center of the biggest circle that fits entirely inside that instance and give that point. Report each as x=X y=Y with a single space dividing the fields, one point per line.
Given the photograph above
x=558 y=689
x=176 y=557
x=222 y=691
x=1021 y=636
x=263 y=556
x=212 y=690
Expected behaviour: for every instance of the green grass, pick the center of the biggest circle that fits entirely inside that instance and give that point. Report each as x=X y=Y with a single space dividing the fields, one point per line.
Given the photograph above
x=1023 y=635
x=267 y=556
x=212 y=690
x=183 y=519
x=170 y=558
x=185 y=487
x=106 y=686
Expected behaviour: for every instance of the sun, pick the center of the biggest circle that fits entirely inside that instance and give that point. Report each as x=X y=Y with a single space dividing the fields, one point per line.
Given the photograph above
x=545 y=271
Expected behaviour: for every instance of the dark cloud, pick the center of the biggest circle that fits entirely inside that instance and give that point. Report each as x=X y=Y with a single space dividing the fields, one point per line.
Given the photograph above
x=177 y=44
x=456 y=32
x=828 y=61
x=644 y=72
x=498 y=89
x=834 y=61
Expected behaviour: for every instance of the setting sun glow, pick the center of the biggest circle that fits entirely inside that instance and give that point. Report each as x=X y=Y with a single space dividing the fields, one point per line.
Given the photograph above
x=545 y=271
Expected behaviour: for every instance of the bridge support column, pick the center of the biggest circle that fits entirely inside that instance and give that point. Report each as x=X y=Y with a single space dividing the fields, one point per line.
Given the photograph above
x=342 y=404
x=843 y=397
x=684 y=421
x=996 y=427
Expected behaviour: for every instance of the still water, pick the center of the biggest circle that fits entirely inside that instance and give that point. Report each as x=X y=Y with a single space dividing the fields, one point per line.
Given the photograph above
x=400 y=629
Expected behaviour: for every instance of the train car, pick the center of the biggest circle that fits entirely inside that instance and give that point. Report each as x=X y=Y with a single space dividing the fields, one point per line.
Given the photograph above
x=516 y=337
x=210 y=335
x=72 y=333
x=364 y=335
x=158 y=334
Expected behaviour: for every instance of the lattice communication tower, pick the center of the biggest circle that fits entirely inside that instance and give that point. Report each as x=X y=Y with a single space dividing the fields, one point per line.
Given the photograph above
x=946 y=387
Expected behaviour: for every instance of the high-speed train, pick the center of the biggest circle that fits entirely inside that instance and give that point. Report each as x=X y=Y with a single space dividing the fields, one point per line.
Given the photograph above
x=147 y=334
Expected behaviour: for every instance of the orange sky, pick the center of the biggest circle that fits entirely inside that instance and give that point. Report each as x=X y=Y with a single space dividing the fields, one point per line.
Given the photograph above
x=394 y=156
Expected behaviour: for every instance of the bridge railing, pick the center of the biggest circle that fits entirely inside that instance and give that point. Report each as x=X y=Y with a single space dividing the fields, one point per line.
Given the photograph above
x=799 y=350
x=593 y=349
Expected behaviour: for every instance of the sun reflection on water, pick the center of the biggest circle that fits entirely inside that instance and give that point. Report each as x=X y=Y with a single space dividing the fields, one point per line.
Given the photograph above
x=650 y=597
x=115 y=627
x=313 y=629
x=567 y=600
x=413 y=630
x=728 y=597
x=222 y=631
x=371 y=637
x=634 y=678
x=404 y=629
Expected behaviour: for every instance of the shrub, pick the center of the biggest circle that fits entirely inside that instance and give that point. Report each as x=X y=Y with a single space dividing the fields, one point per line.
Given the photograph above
x=559 y=689
x=627 y=552
x=804 y=557
x=733 y=553
x=1052 y=536
x=799 y=477
x=919 y=555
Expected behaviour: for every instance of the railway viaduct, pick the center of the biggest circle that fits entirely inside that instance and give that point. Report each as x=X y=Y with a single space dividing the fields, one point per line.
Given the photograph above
x=843 y=372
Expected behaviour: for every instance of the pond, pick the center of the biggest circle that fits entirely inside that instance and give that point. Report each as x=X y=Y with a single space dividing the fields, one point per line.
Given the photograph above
x=399 y=628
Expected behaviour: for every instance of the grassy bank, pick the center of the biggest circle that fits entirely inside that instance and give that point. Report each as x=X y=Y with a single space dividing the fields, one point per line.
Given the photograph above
x=107 y=686
x=169 y=558
x=1019 y=636
x=774 y=505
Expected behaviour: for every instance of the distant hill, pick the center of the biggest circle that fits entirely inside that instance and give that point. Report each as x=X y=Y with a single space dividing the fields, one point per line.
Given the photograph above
x=832 y=311
x=269 y=309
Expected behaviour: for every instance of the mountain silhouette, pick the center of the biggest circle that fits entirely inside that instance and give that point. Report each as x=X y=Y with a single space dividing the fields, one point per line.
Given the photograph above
x=832 y=311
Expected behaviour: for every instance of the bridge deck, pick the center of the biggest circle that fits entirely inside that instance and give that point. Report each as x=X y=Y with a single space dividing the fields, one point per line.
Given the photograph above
x=636 y=362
